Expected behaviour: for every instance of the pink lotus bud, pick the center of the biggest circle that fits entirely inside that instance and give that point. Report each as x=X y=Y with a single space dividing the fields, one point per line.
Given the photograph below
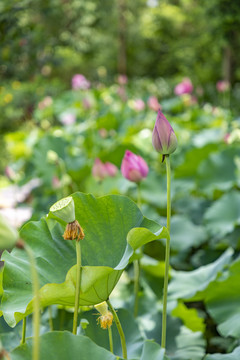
x=99 y=170
x=184 y=87
x=222 y=86
x=79 y=82
x=111 y=169
x=153 y=103
x=134 y=167
x=139 y=105
x=163 y=138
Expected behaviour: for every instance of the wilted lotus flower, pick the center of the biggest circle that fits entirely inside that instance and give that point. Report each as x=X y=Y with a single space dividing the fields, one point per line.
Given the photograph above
x=184 y=87
x=134 y=167
x=163 y=138
x=139 y=105
x=222 y=86
x=67 y=118
x=79 y=82
x=153 y=103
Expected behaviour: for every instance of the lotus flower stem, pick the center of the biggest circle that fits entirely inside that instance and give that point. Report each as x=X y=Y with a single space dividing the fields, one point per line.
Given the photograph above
x=167 y=253
x=78 y=286
x=36 y=304
x=50 y=320
x=110 y=339
x=120 y=330
x=23 y=331
x=137 y=265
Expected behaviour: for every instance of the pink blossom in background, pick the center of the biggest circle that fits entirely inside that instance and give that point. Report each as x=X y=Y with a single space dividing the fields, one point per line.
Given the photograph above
x=86 y=104
x=79 y=82
x=226 y=138
x=139 y=105
x=56 y=183
x=67 y=118
x=111 y=169
x=10 y=173
x=222 y=86
x=121 y=91
x=103 y=133
x=184 y=87
x=98 y=170
x=102 y=170
x=122 y=79
x=153 y=103
x=134 y=167
x=46 y=102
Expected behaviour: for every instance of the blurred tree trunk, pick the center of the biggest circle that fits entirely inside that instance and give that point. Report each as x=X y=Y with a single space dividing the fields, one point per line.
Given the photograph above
x=227 y=64
x=122 y=37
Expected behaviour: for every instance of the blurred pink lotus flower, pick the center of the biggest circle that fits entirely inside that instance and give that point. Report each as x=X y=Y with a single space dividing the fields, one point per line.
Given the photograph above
x=134 y=167
x=79 y=82
x=46 y=102
x=163 y=138
x=86 y=104
x=103 y=133
x=153 y=103
x=67 y=118
x=102 y=170
x=56 y=183
x=139 y=105
x=10 y=173
x=226 y=138
x=122 y=79
x=184 y=87
x=122 y=93
x=111 y=169
x=222 y=86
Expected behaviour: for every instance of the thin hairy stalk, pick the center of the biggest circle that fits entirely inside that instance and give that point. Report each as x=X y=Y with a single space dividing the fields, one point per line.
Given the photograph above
x=78 y=286
x=120 y=330
x=24 y=331
x=110 y=339
x=167 y=254
x=36 y=304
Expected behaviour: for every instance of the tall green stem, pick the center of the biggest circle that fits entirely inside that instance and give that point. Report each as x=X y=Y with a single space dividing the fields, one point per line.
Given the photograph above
x=78 y=286
x=167 y=254
x=120 y=330
x=137 y=264
x=110 y=339
x=36 y=304
x=23 y=331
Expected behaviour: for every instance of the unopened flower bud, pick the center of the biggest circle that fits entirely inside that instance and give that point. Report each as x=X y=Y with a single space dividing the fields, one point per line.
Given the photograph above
x=163 y=138
x=73 y=231
x=106 y=317
x=134 y=167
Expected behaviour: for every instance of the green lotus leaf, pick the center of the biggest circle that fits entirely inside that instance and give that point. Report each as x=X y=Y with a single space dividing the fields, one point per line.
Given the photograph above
x=235 y=355
x=223 y=301
x=105 y=253
x=190 y=284
x=60 y=345
x=153 y=351
x=224 y=215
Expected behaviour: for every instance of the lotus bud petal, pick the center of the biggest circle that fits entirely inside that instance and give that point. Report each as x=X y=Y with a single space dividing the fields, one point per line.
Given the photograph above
x=163 y=138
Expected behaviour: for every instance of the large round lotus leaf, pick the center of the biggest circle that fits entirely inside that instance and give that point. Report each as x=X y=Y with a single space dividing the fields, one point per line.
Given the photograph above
x=105 y=253
x=134 y=338
x=235 y=355
x=189 y=284
x=223 y=301
x=222 y=217
x=60 y=345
